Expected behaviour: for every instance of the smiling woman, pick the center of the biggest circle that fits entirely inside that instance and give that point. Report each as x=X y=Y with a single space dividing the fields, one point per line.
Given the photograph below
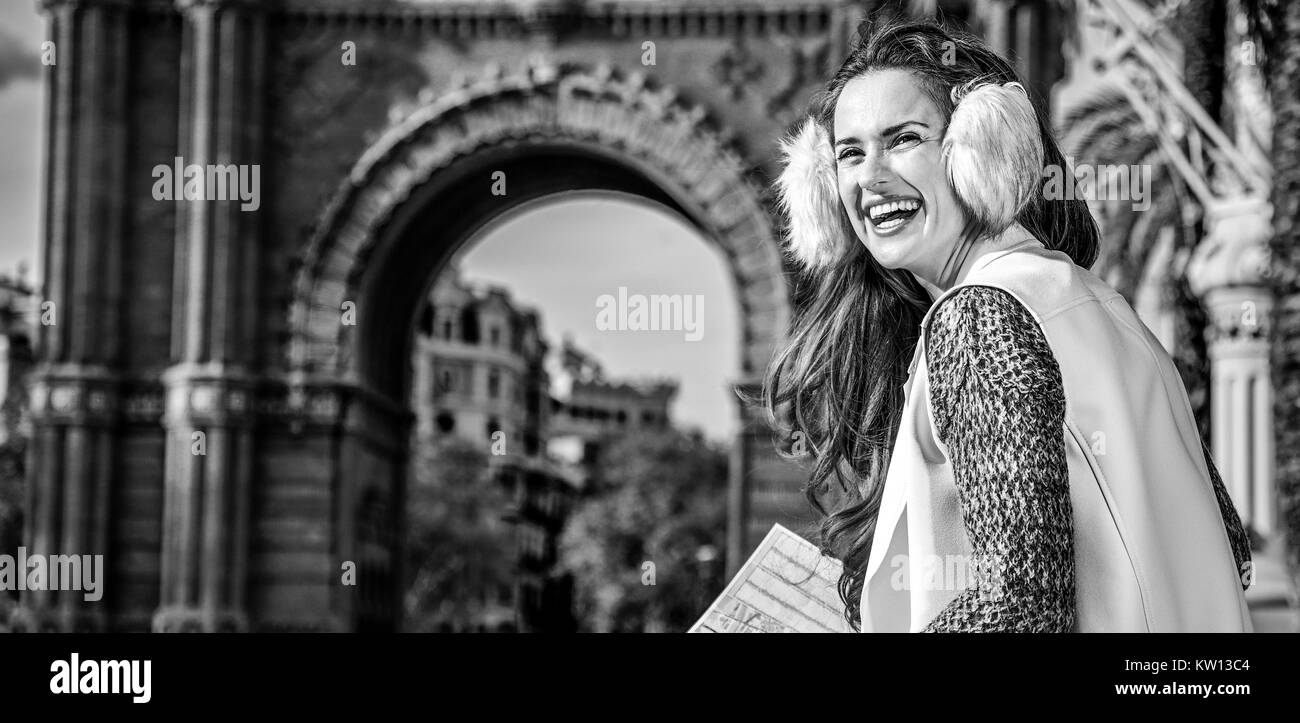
x=976 y=393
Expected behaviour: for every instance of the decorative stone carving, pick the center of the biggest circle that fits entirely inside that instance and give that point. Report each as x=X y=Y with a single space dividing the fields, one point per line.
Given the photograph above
x=469 y=21
x=738 y=69
x=73 y=393
x=1235 y=249
x=807 y=65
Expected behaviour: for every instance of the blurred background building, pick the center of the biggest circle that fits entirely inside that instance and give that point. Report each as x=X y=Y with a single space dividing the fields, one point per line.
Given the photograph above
x=350 y=383
x=480 y=377
x=591 y=410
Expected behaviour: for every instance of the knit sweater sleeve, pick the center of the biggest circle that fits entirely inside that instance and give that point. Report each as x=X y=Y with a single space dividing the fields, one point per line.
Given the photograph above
x=998 y=404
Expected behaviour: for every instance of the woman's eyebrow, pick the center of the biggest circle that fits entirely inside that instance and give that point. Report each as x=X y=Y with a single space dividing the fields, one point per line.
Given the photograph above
x=896 y=128
x=887 y=132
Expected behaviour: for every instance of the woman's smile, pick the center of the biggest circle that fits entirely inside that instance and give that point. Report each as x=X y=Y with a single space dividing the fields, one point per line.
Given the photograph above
x=889 y=214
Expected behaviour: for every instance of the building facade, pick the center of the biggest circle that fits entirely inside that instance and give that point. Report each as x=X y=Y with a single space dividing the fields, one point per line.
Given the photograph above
x=479 y=375
x=589 y=409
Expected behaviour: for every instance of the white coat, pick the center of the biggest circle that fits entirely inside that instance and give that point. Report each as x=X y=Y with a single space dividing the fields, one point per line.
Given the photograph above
x=1150 y=548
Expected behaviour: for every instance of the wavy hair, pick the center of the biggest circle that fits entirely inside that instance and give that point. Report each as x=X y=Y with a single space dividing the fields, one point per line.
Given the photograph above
x=838 y=380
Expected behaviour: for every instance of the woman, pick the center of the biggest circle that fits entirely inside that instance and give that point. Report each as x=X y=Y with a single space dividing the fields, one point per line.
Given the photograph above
x=1012 y=449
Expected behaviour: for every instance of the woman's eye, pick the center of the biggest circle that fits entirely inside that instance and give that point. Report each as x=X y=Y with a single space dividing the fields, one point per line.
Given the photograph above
x=847 y=153
x=906 y=140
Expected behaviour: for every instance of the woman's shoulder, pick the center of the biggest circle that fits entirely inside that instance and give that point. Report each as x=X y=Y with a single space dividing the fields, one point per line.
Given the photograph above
x=987 y=331
x=981 y=312
x=986 y=356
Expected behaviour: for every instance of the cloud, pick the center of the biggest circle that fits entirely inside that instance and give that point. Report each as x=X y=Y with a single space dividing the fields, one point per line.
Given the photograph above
x=18 y=61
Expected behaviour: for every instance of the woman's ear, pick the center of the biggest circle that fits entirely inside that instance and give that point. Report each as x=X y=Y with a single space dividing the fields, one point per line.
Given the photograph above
x=993 y=150
x=817 y=232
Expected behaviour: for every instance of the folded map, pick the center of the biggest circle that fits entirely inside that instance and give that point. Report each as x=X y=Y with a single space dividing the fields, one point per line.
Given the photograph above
x=786 y=586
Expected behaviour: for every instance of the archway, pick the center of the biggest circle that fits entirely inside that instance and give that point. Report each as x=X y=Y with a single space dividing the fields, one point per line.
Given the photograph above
x=422 y=190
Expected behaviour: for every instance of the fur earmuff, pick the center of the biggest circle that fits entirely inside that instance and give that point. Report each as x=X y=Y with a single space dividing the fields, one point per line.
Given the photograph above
x=817 y=232
x=993 y=152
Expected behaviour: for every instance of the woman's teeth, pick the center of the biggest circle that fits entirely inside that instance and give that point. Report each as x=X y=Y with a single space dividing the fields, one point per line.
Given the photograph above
x=887 y=216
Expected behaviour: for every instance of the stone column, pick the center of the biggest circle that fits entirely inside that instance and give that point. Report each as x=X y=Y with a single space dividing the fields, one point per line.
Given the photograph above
x=204 y=564
x=738 y=491
x=74 y=385
x=1229 y=270
x=764 y=488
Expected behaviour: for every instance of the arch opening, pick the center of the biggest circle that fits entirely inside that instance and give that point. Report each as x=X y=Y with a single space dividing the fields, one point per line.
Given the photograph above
x=423 y=192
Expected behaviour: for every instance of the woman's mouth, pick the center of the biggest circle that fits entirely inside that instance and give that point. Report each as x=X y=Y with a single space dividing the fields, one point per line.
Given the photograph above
x=889 y=215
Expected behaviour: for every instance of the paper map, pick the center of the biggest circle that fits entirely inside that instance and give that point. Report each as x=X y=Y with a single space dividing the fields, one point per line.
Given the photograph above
x=786 y=586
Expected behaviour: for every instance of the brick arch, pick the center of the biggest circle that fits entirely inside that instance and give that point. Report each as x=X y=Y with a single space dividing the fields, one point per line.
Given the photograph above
x=670 y=150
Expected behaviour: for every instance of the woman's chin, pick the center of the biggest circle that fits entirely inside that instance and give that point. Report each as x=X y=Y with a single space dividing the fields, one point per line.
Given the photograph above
x=890 y=253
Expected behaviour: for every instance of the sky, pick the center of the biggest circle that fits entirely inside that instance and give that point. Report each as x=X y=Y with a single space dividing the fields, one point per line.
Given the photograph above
x=562 y=256
x=559 y=256
x=21 y=133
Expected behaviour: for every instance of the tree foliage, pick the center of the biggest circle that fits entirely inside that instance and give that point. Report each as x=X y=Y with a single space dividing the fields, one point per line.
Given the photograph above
x=13 y=485
x=460 y=547
x=633 y=547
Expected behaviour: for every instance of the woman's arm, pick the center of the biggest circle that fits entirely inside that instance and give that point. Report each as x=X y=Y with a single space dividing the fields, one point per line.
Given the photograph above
x=999 y=405
x=1231 y=523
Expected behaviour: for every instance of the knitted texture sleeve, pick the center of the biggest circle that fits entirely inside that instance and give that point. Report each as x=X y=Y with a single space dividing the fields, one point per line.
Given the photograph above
x=999 y=405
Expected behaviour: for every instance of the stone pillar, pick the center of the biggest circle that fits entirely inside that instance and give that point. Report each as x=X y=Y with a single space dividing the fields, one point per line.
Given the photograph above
x=764 y=488
x=738 y=491
x=1229 y=270
x=209 y=419
x=74 y=386
x=206 y=499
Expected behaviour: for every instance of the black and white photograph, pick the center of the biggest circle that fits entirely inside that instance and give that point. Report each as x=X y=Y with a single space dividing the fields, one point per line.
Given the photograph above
x=649 y=316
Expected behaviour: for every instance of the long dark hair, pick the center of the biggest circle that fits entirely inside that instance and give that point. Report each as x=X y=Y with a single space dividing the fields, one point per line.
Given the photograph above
x=838 y=381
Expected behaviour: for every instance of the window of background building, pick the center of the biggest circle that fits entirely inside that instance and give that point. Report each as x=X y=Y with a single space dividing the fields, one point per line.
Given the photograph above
x=493 y=426
x=469 y=326
x=494 y=336
x=446 y=329
x=426 y=320
x=446 y=422
x=621 y=417
x=446 y=382
x=494 y=383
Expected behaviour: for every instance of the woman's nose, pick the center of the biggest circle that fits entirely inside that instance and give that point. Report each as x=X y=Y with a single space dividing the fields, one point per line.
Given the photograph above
x=873 y=169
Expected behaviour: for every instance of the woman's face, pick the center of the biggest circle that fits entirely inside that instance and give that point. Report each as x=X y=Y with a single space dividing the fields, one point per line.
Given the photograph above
x=892 y=179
